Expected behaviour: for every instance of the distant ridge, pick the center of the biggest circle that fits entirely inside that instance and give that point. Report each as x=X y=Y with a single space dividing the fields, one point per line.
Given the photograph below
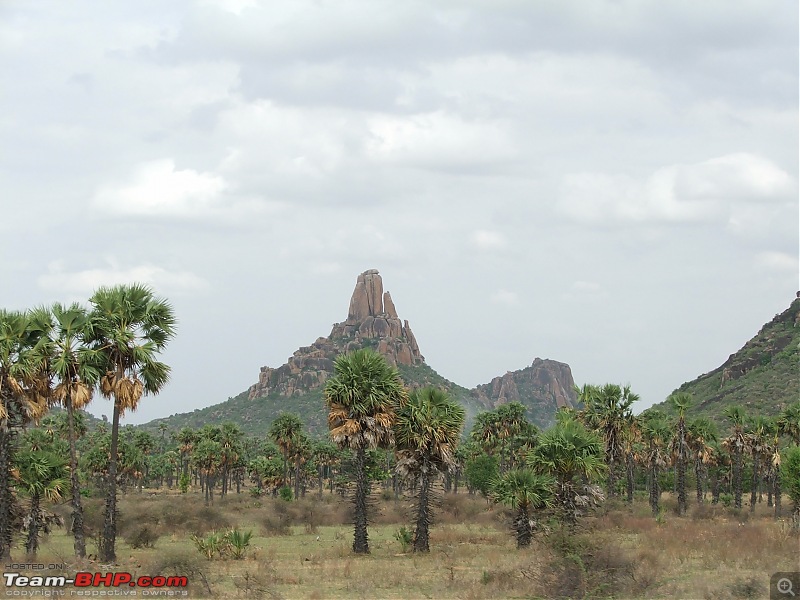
x=373 y=322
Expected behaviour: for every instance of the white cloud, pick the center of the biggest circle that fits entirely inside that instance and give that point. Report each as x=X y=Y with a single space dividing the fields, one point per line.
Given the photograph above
x=439 y=141
x=158 y=189
x=84 y=282
x=505 y=297
x=704 y=192
x=487 y=240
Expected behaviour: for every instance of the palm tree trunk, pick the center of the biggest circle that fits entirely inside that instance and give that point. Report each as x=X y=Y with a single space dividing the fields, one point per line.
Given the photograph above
x=6 y=500
x=698 y=475
x=680 y=468
x=79 y=541
x=320 y=471
x=715 y=486
x=523 y=527
x=612 y=481
x=35 y=517
x=360 y=539
x=297 y=477
x=109 y=538
x=629 y=473
x=778 y=492
x=737 y=478
x=754 y=487
x=655 y=489
x=421 y=543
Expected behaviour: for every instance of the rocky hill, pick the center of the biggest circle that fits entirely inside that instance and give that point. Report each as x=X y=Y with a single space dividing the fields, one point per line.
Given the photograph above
x=372 y=321
x=763 y=376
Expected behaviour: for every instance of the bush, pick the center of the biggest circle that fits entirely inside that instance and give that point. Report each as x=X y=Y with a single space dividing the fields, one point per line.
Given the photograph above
x=726 y=500
x=285 y=493
x=143 y=536
x=238 y=542
x=405 y=537
x=181 y=563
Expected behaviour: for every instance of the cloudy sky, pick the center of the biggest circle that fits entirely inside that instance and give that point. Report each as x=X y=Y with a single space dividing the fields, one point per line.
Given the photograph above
x=612 y=184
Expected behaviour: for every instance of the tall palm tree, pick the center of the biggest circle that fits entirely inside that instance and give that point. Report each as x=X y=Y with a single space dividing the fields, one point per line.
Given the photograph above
x=680 y=402
x=701 y=433
x=608 y=411
x=573 y=456
x=758 y=436
x=363 y=397
x=75 y=374
x=21 y=401
x=42 y=475
x=524 y=491
x=427 y=432
x=186 y=438
x=129 y=327
x=735 y=444
x=656 y=434
x=284 y=431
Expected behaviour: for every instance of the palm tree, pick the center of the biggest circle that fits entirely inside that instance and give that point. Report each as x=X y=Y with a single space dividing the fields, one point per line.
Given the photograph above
x=701 y=433
x=789 y=422
x=524 y=491
x=21 y=401
x=75 y=373
x=207 y=457
x=427 y=431
x=680 y=402
x=608 y=411
x=129 y=328
x=757 y=437
x=363 y=397
x=656 y=433
x=736 y=443
x=284 y=431
x=573 y=456
x=42 y=474
x=186 y=438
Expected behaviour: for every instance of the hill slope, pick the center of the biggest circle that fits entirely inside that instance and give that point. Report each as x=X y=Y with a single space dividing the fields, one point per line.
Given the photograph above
x=763 y=376
x=372 y=322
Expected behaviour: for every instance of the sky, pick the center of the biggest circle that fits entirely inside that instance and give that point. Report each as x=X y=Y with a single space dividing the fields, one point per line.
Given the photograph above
x=611 y=184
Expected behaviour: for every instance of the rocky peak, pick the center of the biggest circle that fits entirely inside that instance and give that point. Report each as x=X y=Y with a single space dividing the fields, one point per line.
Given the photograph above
x=372 y=321
x=543 y=388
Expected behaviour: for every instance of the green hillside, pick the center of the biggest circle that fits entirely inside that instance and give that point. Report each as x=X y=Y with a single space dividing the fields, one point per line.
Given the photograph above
x=763 y=376
x=255 y=416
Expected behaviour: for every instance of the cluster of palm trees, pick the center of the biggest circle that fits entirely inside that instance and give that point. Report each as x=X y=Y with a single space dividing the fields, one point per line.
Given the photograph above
x=379 y=431
x=60 y=355
x=656 y=442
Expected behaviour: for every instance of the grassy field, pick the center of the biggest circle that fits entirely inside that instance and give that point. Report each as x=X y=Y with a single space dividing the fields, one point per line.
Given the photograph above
x=302 y=550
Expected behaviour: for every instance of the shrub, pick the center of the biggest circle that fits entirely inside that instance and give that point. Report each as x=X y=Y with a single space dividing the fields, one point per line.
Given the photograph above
x=285 y=493
x=143 y=536
x=405 y=537
x=210 y=545
x=238 y=542
x=726 y=499
x=181 y=563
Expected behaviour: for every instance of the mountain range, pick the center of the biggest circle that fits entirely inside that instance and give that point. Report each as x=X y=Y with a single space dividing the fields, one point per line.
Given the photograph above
x=373 y=322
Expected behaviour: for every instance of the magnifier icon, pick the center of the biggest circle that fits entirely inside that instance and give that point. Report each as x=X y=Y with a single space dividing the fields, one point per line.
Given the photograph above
x=784 y=586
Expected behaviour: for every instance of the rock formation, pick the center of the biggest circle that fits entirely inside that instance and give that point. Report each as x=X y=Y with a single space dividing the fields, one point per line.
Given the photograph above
x=372 y=321
x=543 y=388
